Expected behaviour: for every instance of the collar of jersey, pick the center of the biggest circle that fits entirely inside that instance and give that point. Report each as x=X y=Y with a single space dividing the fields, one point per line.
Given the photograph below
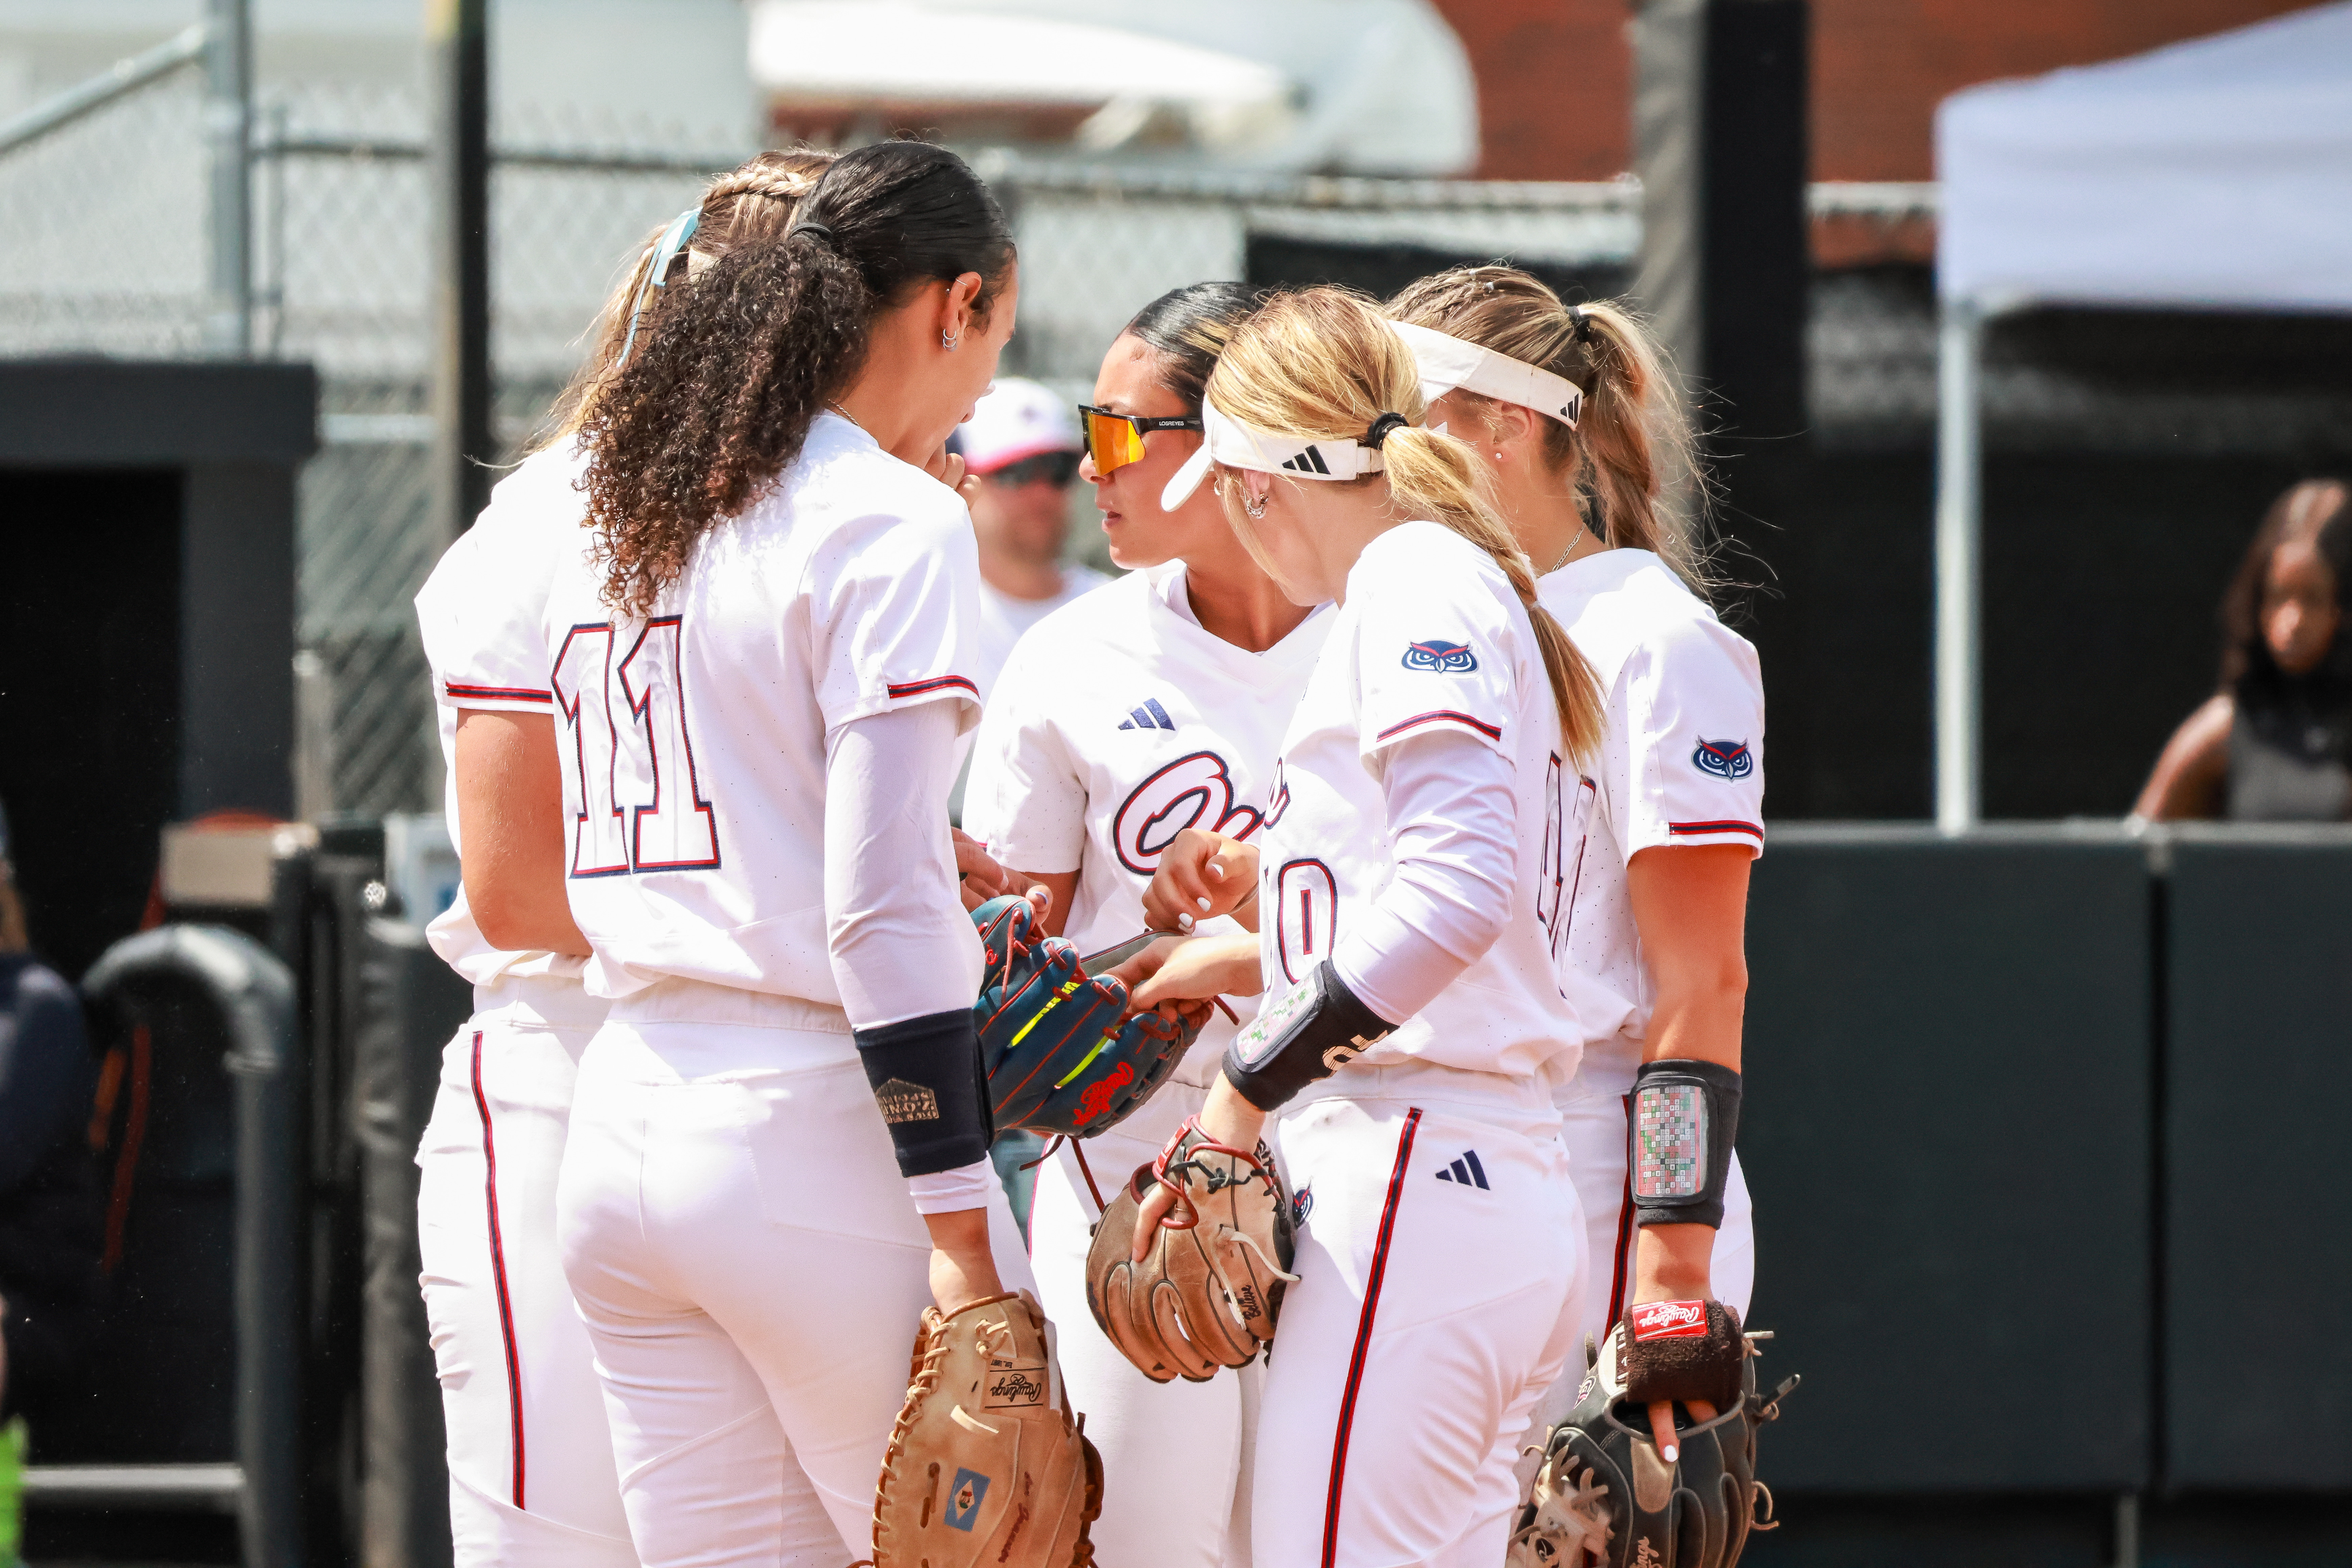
x=1238 y=446
x=1447 y=363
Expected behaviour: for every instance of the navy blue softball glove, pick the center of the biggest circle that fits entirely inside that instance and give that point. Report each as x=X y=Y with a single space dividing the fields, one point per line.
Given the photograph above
x=1062 y=1057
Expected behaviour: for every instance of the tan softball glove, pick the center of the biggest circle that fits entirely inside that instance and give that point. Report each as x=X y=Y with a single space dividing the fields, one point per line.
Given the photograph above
x=1207 y=1293
x=987 y=1463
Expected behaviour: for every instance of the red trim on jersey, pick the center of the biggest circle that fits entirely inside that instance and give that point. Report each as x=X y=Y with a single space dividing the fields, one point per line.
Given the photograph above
x=1446 y=716
x=498 y=1271
x=1364 y=1337
x=938 y=683
x=497 y=693
x=1624 y=1252
x=1691 y=827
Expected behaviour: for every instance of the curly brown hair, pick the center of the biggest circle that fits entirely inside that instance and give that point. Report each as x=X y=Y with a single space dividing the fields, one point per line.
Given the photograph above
x=717 y=396
x=757 y=200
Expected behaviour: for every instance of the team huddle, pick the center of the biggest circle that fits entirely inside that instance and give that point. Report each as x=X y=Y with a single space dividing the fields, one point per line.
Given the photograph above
x=1352 y=891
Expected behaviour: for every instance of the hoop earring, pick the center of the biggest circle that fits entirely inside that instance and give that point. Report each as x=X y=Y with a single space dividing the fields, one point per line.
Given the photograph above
x=1254 y=505
x=948 y=341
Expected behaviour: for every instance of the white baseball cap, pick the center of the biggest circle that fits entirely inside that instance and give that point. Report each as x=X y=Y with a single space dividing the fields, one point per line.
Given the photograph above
x=1016 y=419
x=1447 y=365
x=1235 y=445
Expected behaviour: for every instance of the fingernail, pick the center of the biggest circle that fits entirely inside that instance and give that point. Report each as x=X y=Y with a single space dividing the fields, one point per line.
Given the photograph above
x=1204 y=903
x=1673 y=1453
x=1184 y=921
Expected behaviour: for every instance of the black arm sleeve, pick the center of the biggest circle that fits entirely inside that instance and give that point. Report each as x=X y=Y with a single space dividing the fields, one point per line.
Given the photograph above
x=927 y=1081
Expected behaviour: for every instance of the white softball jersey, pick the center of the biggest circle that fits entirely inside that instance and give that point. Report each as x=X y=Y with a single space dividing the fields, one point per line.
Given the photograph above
x=480 y=614
x=731 y=1198
x=532 y=1478
x=1681 y=763
x=1431 y=638
x=695 y=739
x=1439 y=1248
x=1117 y=723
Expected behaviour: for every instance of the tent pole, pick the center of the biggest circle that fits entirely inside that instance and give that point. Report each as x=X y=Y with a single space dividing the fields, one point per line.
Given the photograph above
x=1959 y=493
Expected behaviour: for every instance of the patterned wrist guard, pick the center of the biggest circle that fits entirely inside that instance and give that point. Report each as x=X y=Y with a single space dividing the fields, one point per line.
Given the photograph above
x=1685 y=1115
x=1309 y=1032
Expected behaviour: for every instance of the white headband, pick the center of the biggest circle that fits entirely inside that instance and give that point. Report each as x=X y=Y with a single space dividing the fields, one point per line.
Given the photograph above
x=1237 y=446
x=1447 y=365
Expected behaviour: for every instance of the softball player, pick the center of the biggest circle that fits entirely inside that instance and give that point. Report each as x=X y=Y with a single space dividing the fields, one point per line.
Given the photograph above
x=530 y=1462
x=1148 y=706
x=777 y=1150
x=1662 y=823
x=1404 y=905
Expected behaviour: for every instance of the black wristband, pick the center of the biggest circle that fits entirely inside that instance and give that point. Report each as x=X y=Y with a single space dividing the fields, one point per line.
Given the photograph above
x=927 y=1081
x=1678 y=1139
x=1309 y=1032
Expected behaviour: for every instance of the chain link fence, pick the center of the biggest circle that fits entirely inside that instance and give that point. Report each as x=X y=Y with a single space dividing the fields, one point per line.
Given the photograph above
x=102 y=249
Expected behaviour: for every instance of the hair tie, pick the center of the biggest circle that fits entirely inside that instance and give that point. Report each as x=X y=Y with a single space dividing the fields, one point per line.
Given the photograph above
x=1380 y=428
x=824 y=235
x=1583 y=319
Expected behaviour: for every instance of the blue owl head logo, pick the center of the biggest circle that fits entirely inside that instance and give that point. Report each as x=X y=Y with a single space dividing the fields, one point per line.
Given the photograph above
x=1445 y=658
x=1724 y=759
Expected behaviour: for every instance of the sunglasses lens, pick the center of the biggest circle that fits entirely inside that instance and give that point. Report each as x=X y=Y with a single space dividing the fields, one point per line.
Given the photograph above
x=1112 y=442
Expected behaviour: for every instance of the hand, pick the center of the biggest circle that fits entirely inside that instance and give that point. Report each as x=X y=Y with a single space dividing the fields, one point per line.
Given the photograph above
x=1201 y=875
x=948 y=468
x=1225 y=1118
x=1185 y=969
x=963 y=1267
x=981 y=878
x=1670 y=1264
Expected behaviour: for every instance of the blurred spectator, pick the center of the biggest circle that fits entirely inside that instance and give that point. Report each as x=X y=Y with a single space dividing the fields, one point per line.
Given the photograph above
x=49 y=1215
x=1024 y=443
x=2274 y=744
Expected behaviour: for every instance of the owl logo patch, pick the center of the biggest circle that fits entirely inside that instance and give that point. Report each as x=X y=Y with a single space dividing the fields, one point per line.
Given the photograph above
x=1724 y=759
x=1445 y=658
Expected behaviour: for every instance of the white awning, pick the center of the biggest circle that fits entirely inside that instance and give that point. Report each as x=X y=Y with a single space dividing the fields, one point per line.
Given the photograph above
x=2216 y=172
x=902 y=50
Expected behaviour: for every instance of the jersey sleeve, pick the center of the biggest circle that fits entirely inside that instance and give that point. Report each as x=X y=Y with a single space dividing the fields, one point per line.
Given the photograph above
x=479 y=617
x=1436 y=648
x=894 y=613
x=1694 y=741
x=1027 y=798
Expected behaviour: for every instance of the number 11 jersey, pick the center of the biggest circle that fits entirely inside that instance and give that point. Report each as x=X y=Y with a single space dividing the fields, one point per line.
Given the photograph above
x=694 y=739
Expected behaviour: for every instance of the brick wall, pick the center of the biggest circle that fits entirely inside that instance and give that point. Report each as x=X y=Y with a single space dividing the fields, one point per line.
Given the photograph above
x=1555 y=77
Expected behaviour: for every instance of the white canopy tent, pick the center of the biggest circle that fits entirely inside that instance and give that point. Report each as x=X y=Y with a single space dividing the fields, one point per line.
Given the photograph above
x=2213 y=175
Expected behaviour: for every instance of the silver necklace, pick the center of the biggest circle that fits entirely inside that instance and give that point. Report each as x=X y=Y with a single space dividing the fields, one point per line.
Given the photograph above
x=845 y=413
x=1579 y=534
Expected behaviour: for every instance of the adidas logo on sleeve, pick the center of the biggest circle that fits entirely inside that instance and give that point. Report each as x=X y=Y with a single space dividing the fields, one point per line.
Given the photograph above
x=1151 y=716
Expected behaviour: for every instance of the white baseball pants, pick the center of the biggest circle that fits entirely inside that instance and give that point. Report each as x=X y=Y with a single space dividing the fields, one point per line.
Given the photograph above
x=531 y=1483
x=1175 y=1482
x=752 y=1271
x=1440 y=1257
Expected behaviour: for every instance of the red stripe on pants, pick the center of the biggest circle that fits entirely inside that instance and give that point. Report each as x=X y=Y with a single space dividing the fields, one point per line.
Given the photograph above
x=1364 y=1337
x=498 y=1269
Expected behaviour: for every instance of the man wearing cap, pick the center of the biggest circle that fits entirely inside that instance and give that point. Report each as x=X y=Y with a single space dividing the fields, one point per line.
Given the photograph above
x=1022 y=443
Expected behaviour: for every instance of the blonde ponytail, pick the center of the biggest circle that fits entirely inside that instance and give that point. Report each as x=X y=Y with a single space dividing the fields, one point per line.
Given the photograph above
x=1631 y=463
x=1322 y=365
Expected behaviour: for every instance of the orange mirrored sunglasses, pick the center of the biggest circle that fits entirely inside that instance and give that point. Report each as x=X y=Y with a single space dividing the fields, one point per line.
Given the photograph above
x=1115 y=440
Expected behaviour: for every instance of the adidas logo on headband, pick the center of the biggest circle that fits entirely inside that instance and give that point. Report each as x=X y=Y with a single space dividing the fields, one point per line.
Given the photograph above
x=1309 y=462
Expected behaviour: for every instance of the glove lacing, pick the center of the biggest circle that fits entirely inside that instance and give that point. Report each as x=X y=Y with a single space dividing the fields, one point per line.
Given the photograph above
x=1180 y=1157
